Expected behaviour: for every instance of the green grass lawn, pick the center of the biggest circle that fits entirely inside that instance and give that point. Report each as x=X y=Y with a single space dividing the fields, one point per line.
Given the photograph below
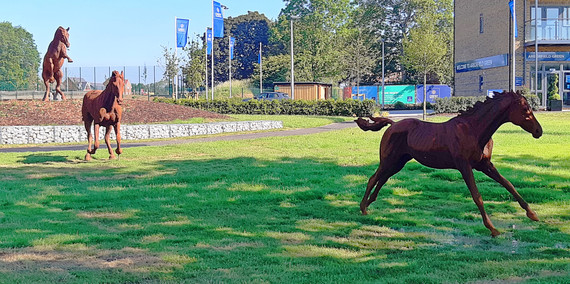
x=283 y=209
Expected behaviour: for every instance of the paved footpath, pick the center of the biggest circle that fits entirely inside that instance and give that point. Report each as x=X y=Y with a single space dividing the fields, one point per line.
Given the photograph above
x=303 y=131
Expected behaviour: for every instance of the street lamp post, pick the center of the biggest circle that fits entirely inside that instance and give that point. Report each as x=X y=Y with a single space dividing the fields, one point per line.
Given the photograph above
x=292 y=61
x=382 y=74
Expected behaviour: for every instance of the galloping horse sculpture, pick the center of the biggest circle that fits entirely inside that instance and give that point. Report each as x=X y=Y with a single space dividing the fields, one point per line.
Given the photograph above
x=53 y=60
x=103 y=108
x=463 y=143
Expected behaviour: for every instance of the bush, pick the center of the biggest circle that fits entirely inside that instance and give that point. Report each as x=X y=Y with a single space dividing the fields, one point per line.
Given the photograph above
x=455 y=104
x=289 y=107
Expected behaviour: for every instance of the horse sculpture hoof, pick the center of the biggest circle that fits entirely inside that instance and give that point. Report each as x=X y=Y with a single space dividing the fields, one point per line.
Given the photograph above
x=530 y=214
x=87 y=157
x=495 y=233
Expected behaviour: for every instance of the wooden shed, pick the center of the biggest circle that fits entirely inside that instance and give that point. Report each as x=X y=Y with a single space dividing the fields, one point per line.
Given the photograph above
x=311 y=91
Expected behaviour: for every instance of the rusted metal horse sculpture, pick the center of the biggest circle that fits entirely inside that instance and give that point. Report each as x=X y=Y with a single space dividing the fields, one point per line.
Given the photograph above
x=463 y=143
x=103 y=108
x=53 y=60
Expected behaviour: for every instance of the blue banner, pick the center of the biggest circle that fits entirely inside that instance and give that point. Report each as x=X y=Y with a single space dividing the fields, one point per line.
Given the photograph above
x=209 y=41
x=514 y=17
x=232 y=44
x=259 y=57
x=549 y=56
x=181 y=32
x=482 y=63
x=218 y=20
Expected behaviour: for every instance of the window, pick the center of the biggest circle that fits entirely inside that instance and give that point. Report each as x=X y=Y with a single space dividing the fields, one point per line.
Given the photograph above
x=481 y=24
x=480 y=83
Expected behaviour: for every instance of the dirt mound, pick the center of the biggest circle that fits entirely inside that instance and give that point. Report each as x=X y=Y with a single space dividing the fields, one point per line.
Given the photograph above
x=16 y=113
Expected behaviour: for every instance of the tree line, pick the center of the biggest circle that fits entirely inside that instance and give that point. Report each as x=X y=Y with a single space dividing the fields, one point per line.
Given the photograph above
x=335 y=41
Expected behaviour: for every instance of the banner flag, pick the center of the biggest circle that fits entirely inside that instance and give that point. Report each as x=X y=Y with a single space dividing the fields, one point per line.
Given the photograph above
x=232 y=44
x=218 y=20
x=209 y=41
x=514 y=16
x=181 y=32
x=259 y=57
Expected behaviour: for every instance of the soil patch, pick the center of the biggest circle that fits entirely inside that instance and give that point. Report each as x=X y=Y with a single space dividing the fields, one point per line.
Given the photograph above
x=19 y=113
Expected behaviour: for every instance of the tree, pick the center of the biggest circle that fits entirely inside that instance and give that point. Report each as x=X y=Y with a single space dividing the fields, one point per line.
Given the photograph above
x=425 y=48
x=195 y=64
x=320 y=37
x=19 y=58
x=169 y=62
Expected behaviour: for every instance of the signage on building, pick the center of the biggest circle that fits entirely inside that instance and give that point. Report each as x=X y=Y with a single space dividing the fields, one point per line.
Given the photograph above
x=567 y=82
x=482 y=63
x=548 y=56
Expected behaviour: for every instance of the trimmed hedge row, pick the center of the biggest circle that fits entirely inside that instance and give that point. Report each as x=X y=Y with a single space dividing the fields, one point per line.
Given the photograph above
x=288 y=107
x=457 y=104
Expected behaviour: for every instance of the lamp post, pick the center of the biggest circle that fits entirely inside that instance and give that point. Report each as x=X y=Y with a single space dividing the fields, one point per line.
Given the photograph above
x=292 y=61
x=382 y=74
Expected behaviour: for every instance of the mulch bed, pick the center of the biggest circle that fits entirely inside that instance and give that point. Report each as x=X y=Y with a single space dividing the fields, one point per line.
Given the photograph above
x=18 y=113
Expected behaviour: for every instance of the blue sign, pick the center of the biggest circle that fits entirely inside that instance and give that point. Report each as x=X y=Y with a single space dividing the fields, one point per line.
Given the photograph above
x=432 y=92
x=482 y=63
x=548 y=56
x=209 y=41
x=218 y=20
x=567 y=82
x=181 y=32
x=491 y=92
x=514 y=17
x=519 y=81
x=232 y=44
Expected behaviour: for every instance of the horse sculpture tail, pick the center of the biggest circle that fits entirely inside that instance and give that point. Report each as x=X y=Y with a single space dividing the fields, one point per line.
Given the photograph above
x=377 y=123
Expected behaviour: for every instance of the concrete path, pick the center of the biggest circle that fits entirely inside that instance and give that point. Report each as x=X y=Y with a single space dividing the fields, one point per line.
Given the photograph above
x=303 y=131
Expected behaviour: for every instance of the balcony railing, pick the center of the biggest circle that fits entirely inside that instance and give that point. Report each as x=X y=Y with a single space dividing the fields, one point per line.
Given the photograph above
x=553 y=31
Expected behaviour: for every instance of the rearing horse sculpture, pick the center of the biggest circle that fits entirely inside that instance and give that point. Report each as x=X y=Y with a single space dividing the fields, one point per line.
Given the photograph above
x=103 y=108
x=53 y=60
x=463 y=143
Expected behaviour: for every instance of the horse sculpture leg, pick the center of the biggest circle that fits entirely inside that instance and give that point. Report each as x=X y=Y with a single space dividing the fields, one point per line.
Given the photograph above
x=119 y=151
x=108 y=142
x=388 y=167
x=489 y=169
x=467 y=173
x=88 y=122
x=58 y=76
x=47 y=93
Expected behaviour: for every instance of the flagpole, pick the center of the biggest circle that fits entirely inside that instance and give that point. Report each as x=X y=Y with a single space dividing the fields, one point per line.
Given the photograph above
x=175 y=78
x=260 y=71
x=230 y=61
x=212 y=57
x=206 y=62
x=513 y=78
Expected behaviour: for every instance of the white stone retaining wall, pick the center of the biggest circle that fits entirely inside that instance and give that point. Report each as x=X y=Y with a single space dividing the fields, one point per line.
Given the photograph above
x=77 y=133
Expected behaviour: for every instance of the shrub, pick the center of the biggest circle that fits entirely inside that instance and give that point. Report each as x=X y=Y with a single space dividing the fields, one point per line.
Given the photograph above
x=455 y=104
x=289 y=107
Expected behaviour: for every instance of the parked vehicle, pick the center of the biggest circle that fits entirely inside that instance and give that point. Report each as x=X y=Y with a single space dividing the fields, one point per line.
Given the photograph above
x=270 y=96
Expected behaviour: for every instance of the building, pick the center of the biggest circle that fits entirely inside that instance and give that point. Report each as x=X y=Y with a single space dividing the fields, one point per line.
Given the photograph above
x=483 y=46
x=305 y=90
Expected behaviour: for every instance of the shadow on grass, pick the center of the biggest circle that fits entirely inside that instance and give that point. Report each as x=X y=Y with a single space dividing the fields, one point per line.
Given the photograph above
x=246 y=219
x=43 y=158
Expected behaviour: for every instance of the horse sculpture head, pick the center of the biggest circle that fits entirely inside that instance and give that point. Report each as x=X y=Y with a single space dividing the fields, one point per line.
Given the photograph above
x=62 y=35
x=520 y=113
x=117 y=85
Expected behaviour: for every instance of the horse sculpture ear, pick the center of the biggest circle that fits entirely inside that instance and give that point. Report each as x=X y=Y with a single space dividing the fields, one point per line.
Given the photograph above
x=67 y=29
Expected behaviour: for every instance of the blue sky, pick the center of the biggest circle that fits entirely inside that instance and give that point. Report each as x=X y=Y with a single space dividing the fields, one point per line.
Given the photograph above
x=120 y=33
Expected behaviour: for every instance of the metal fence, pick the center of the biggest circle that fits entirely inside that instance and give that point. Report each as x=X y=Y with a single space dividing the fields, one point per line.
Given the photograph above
x=139 y=80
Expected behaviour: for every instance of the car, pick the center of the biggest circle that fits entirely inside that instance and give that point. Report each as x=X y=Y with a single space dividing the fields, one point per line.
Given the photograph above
x=270 y=96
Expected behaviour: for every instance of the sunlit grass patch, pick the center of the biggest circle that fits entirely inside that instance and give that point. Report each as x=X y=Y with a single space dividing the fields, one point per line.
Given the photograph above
x=289 y=238
x=317 y=225
x=321 y=251
x=107 y=215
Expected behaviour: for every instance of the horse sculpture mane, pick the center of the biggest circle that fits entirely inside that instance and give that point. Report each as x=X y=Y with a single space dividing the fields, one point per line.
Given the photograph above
x=463 y=143
x=53 y=61
x=103 y=108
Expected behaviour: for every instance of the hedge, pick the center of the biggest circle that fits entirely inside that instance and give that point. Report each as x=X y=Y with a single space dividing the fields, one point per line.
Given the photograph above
x=457 y=104
x=288 y=107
